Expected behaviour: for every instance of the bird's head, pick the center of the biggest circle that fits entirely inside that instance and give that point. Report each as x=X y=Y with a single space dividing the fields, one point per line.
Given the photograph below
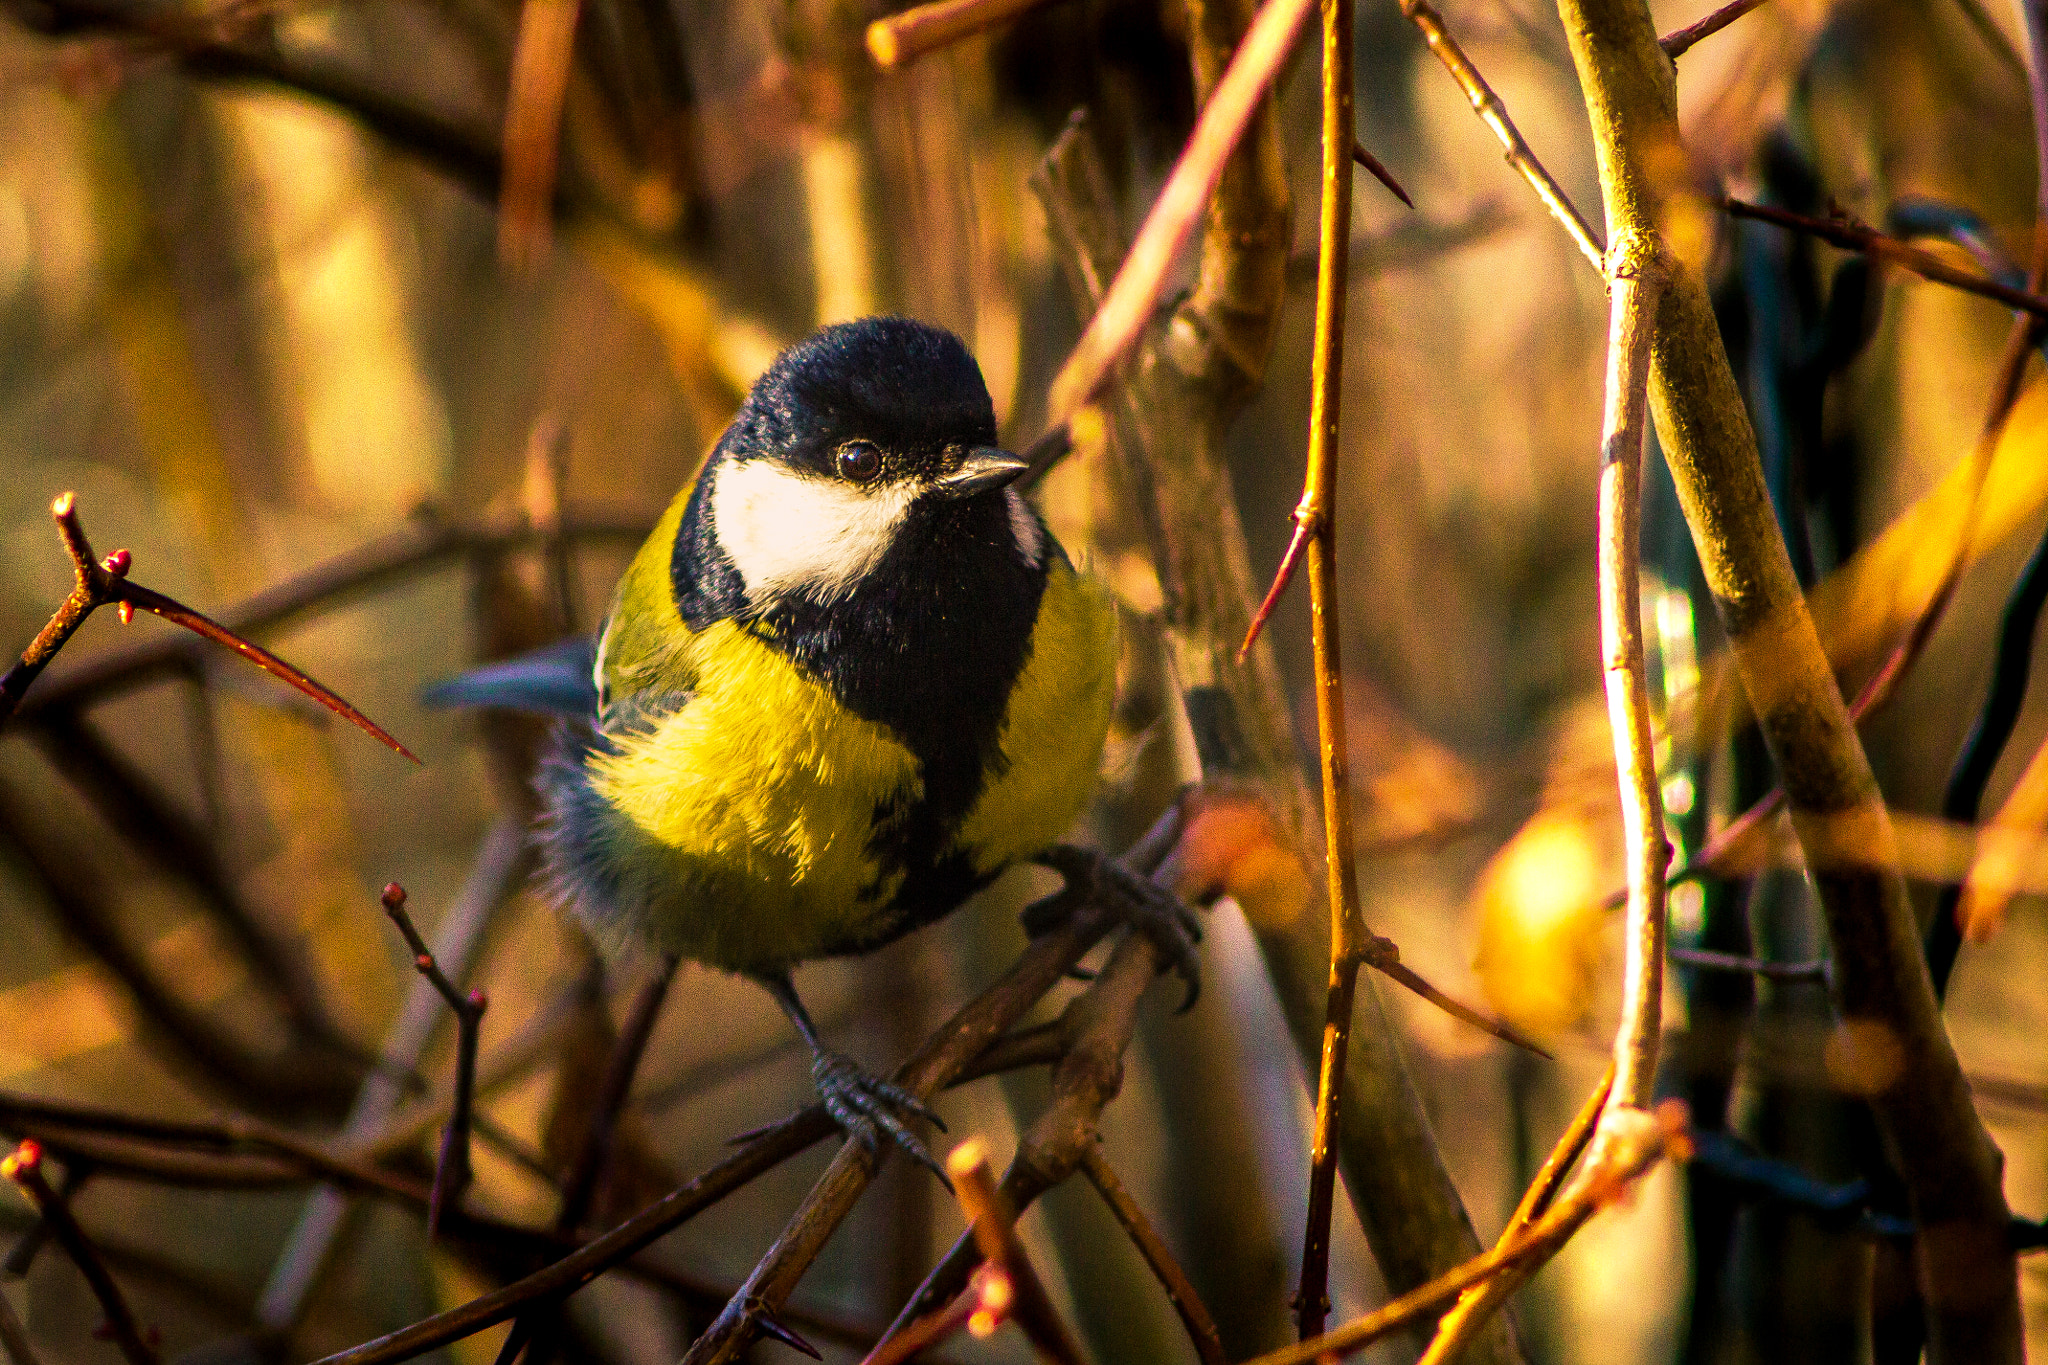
x=868 y=432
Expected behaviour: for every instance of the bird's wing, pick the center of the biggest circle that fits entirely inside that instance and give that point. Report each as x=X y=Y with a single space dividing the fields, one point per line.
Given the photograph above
x=556 y=680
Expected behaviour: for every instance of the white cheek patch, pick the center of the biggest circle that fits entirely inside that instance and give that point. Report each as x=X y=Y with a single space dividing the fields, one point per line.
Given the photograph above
x=786 y=532
x=1024 y=526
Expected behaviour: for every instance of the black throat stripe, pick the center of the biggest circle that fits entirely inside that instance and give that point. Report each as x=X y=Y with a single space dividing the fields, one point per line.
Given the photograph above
x=929 y=643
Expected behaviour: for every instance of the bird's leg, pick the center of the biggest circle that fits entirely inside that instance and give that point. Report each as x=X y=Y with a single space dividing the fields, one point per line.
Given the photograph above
x=1153 y=911
x=860 y=1104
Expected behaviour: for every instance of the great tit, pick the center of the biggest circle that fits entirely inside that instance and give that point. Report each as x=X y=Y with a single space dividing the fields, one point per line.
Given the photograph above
x=849 y=679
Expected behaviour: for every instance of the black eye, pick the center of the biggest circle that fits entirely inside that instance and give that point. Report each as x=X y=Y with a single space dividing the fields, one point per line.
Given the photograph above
x=859 y=461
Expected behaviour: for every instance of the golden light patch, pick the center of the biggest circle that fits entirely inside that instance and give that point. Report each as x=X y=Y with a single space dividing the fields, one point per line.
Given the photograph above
x=1540 y=923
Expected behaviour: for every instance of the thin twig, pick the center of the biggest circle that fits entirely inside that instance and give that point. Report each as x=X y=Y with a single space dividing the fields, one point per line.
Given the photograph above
x=1850 y=235
x=899 y=39
x=495 y=875
x=1383 y=955
x=1707 y=960
x=1457 y=1327
x=101 y=582
x=1676 y=43
x=1642 y=1142
x=1637 y=278
x=980 y=1310
x=24 y=1168
x=1180 y=1290
x=1495 y=115
x=1315 y=519
x=990 y=1220
x=1128 y=306
x=93 y=588
x=452 y=1169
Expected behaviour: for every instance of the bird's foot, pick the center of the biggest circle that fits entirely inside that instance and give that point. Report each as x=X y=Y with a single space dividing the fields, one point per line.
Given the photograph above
x=1145 y=906
x=866 y=1108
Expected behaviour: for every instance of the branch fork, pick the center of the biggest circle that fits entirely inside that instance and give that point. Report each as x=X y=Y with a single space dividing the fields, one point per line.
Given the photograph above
x=452 y=1172
x=100 y=583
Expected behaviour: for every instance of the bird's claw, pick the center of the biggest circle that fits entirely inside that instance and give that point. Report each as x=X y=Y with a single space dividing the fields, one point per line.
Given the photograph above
x=1145 y=906
x=865 y=1108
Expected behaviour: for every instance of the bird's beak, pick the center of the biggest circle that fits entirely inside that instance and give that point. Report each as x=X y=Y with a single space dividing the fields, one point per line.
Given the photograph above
x=983 y=471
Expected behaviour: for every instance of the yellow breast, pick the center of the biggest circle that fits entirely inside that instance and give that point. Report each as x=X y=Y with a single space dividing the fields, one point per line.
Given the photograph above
x=742 y=822
x=1053 y=728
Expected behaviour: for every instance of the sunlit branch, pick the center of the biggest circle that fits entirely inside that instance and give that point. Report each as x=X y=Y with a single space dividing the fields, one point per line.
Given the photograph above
x=899 y=39
x=1128 y=305
x=993 y=1226
x=1495 y=115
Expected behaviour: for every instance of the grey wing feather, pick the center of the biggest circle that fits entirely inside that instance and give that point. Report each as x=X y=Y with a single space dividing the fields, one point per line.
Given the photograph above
x=556 y=680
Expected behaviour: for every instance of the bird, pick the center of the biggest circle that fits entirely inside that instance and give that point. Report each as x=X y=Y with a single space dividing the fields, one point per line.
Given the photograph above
x=849 y=679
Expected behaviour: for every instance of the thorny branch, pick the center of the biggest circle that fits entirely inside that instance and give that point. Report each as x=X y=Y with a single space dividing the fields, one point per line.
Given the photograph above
x=419 y=548
x=1707 y=960
x=104 y=582
x=1196 y=369
x=1315 y=522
